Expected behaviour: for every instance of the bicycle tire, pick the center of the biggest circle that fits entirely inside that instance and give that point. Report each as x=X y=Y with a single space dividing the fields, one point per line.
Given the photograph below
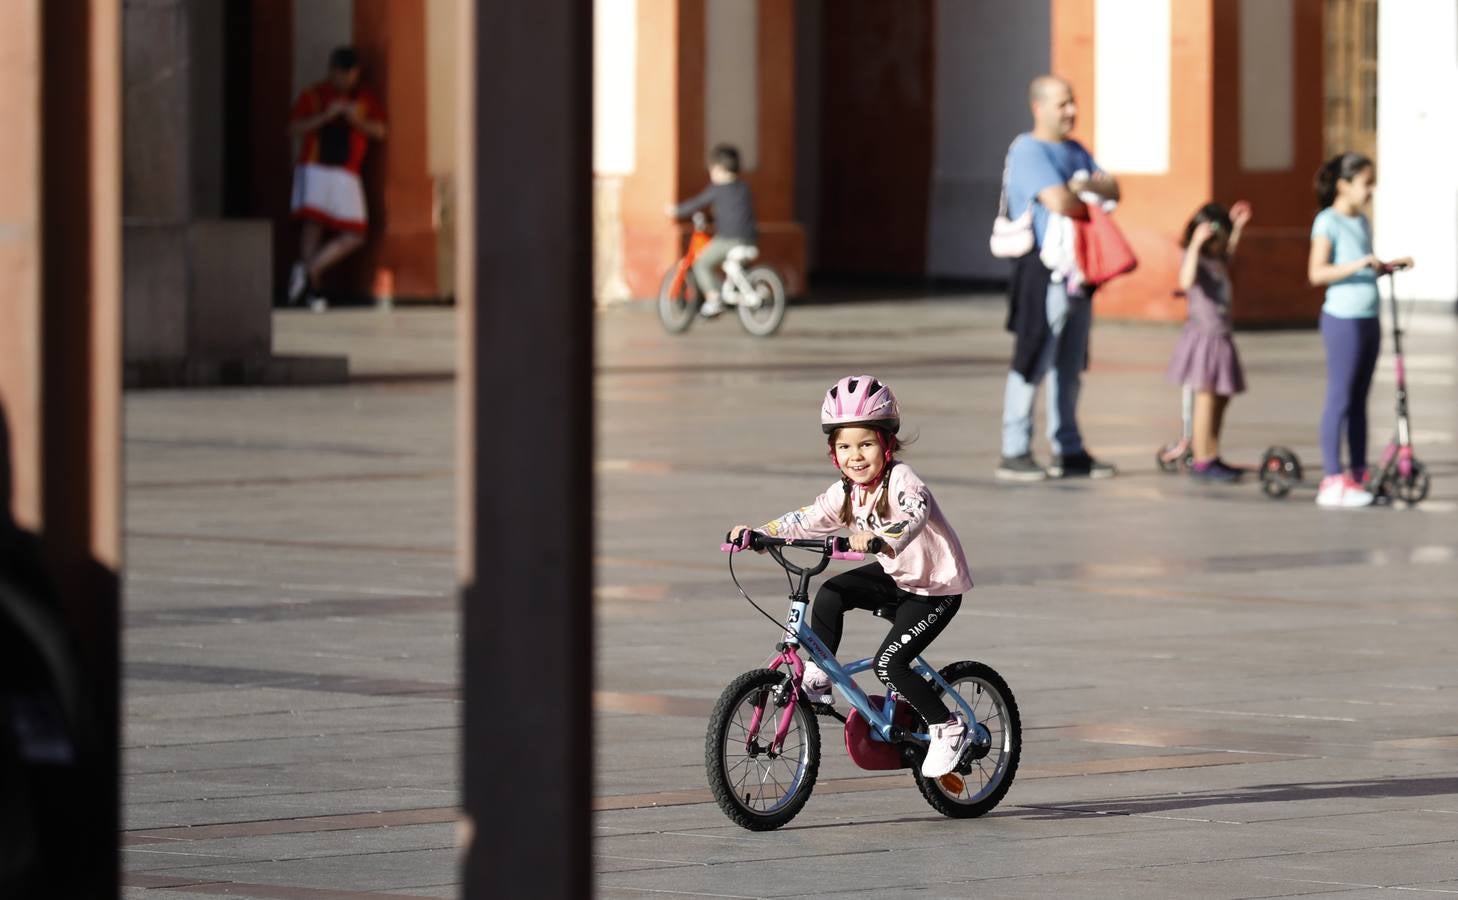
x=678 y=300
x=722 y=779
x=765 y=319
x=1009 y=737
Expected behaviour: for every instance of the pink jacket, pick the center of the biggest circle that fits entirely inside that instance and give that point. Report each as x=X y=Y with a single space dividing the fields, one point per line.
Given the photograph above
x=928 y=559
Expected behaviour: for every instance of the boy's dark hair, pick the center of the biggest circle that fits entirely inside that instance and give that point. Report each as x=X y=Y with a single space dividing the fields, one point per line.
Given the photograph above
x=1214 y=213
x=1342 y=167
x=344 y=59
x=726 y=155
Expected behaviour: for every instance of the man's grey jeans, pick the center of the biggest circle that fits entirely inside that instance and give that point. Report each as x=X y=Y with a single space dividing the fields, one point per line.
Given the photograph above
x=1062 y=356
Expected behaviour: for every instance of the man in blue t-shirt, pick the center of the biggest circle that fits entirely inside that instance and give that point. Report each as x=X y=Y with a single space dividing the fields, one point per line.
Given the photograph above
x=1047 y=170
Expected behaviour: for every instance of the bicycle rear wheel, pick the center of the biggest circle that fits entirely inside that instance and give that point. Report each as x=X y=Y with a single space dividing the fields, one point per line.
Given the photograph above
x=757 y=786
x=983 y=777
x=762 y=313
x=678 y=299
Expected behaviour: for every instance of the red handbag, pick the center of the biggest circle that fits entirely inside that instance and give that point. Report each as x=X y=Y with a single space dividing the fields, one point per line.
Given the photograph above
x=1103 y=252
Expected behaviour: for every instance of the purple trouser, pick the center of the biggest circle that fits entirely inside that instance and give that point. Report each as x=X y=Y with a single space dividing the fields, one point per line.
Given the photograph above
x=1352 y=346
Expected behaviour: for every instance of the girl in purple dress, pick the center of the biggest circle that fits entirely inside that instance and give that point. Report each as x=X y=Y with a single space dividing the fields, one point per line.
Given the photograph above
x=1205 y=359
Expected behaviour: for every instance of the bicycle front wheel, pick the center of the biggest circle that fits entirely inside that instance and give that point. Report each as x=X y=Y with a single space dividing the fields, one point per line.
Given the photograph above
x=984 y=775
x=678 y=299
x=760 y=786
x=762 y=312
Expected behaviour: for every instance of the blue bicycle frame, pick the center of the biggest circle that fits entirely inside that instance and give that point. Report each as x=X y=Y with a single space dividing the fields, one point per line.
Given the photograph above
x=797 y=632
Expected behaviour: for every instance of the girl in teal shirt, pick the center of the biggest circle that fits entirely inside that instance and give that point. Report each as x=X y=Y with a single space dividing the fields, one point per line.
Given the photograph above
x=1342 y=260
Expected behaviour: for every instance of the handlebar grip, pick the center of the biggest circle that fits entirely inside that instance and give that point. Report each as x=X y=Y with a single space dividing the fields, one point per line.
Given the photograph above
x=842 y=545
x=748 y=540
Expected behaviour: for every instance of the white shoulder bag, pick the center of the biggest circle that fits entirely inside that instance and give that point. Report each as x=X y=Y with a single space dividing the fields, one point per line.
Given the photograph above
x=1011 y=238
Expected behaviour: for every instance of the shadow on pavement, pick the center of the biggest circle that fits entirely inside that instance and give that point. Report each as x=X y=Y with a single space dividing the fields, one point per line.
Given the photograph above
x=1263 y=793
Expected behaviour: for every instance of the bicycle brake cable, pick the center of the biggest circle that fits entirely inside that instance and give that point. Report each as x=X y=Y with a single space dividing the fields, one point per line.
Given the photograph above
x=745 y=594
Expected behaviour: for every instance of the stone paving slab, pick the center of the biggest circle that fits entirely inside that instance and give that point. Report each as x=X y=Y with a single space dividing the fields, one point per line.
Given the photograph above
x=1222 y=695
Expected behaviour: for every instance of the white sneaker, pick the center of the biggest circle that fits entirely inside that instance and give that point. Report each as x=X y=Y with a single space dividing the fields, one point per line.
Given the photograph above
x=318 y=304
x=711 y=308
x=816 y=684
x=1341 y=492
x=298 y=283
x=948 y=740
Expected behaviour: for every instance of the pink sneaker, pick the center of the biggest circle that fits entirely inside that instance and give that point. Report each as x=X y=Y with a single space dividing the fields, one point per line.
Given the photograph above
x=1341 y=492
x=816 y=684
x=948 y=740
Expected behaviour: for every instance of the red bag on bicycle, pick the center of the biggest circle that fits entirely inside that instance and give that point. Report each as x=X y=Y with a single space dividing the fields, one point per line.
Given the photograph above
x=1103 y=252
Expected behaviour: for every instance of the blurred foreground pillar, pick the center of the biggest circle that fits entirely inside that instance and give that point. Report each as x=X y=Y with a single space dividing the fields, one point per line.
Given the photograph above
x=1200 y=100
x=525 y=425
x=60 y=370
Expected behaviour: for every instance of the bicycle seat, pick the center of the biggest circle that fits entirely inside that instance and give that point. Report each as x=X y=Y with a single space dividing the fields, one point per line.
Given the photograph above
x=744 y=253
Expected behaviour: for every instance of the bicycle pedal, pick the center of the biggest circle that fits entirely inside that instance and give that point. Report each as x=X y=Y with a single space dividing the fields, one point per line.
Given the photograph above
x=826 y=710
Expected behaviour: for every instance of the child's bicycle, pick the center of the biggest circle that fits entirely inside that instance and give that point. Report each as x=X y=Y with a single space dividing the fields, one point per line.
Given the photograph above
x=762 y=751
x=757 y=293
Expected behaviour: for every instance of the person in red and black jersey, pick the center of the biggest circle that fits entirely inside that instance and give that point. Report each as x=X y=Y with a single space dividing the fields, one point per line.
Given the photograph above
x=335 y=120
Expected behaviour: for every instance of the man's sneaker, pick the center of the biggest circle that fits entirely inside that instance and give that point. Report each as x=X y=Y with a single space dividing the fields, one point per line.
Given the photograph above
x=318 y=304
x=1020 y=468
x=1214 y=470
x=948 y=740
x=1080 y=465
x=711 y=308
x=1341 y=492
x=816 y=684
x=298 y=283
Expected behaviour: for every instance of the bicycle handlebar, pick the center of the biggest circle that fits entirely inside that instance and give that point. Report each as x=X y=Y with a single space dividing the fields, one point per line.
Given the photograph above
x=831 y=547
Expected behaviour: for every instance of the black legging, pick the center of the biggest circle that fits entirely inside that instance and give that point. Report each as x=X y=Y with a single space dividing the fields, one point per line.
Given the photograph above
x=918 y=621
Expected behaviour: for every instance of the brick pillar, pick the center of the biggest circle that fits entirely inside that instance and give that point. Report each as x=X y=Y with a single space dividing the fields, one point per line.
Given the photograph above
x=60 y=412
x=1242 y=123
x=399 y=188
x=671 y=143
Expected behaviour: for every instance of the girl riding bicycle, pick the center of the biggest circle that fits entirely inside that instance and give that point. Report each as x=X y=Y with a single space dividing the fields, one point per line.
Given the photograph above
x=921 y=571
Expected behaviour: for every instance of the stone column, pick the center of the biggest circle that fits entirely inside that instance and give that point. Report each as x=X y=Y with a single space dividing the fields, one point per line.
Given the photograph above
x=198 y=298
x=525 y=282
x=60 y=406
x=391 y=37
x=1415 y=211
x=679 y=92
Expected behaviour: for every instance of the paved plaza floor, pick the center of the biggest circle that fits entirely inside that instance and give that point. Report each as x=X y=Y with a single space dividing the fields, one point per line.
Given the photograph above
x=1222 y=695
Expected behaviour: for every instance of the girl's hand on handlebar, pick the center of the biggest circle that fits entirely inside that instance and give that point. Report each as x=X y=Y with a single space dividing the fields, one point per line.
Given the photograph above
x=738 y=535
x=1402 y=262
x=860 y=541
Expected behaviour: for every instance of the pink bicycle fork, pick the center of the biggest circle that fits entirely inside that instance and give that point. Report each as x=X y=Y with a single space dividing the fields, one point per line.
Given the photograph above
x=787 y=658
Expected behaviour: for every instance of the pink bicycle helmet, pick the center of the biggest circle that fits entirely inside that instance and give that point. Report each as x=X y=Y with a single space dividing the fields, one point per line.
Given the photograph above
x=859 y=400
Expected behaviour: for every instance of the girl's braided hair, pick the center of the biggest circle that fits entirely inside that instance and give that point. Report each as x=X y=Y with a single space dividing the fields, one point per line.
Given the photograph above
x=890 y=443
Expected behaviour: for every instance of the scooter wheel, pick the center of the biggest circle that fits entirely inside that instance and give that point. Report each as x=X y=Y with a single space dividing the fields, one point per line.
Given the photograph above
x=1413 y=489
x=1280 y=471
x=1169 y=464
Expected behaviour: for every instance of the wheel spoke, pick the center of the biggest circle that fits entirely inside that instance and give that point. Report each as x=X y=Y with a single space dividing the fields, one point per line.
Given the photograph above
x=743 y=763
